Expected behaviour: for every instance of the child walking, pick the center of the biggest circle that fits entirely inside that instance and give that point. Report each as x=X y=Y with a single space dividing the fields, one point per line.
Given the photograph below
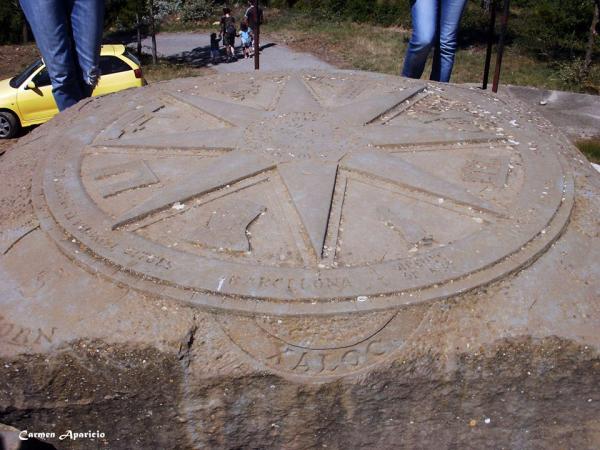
x=214 y=48
x=246 y=36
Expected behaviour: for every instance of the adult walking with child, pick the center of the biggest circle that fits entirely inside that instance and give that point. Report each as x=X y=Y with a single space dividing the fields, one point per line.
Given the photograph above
x=228 y=33
x=254 y=19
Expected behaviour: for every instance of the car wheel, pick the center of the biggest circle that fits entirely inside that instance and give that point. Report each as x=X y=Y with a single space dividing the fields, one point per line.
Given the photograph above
x=9 y=125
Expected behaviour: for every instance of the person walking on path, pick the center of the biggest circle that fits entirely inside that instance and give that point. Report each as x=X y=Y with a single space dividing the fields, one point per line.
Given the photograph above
x=253 y=20
x=246 y=38
x=250 y=18
x=68 y=34
x=435 y=24
x=214 y=48
x=228 y=32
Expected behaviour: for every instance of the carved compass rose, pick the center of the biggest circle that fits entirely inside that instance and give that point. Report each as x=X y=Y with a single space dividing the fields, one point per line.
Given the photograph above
x=302 y=193
x=307 y=144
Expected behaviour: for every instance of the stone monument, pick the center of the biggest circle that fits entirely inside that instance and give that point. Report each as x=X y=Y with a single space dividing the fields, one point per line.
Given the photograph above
x=300 y=260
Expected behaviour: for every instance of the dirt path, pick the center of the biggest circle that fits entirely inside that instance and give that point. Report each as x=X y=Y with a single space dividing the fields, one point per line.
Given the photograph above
x=194 y=49
x=14 y=58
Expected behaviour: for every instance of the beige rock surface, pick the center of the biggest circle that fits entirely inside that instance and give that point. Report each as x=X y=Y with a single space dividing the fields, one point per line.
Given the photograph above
x=305 y=260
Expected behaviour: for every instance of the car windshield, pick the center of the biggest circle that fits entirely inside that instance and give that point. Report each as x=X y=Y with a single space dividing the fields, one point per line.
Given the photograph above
x=131 y=56
x=17 y=81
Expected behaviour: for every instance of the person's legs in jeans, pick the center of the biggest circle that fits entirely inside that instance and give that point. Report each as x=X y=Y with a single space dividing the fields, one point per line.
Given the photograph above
x=87 y=22
x=50 y=26
x=68 y=34
x=424 y=22
x=443 y=57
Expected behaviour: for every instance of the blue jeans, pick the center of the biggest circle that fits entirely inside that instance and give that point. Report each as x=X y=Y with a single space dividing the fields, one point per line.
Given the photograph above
x=68 y=34
x=435 y=23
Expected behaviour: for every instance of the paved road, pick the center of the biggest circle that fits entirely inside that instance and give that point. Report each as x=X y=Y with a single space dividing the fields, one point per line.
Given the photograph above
x=577 y=115
x=194 y=48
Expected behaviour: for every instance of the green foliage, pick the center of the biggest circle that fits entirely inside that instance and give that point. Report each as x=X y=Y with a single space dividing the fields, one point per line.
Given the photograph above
x=570 y=72
x=121 y=13
x=164 y=8
x=11 y=22
x=572 y=76
x=474 y=25
x=392 y=12
x=554 y=32
x=545 y=28
x=197 y=10
x=382 y=12
x=552 y=28
x=591 y=149
x=124 y=14
x=359 y=10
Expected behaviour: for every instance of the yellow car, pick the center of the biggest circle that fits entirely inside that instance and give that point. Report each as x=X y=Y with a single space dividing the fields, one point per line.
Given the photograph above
x=27 y=99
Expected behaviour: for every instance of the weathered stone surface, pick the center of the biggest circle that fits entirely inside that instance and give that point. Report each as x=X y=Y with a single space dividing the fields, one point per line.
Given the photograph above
x=338 y=259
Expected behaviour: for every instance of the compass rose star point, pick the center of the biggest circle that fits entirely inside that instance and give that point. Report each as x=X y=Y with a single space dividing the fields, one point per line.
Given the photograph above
x=312 y=143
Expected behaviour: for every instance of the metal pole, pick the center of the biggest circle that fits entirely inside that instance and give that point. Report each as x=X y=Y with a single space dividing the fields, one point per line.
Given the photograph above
x=490 y=44
x=256 y=37
x=503 y=25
